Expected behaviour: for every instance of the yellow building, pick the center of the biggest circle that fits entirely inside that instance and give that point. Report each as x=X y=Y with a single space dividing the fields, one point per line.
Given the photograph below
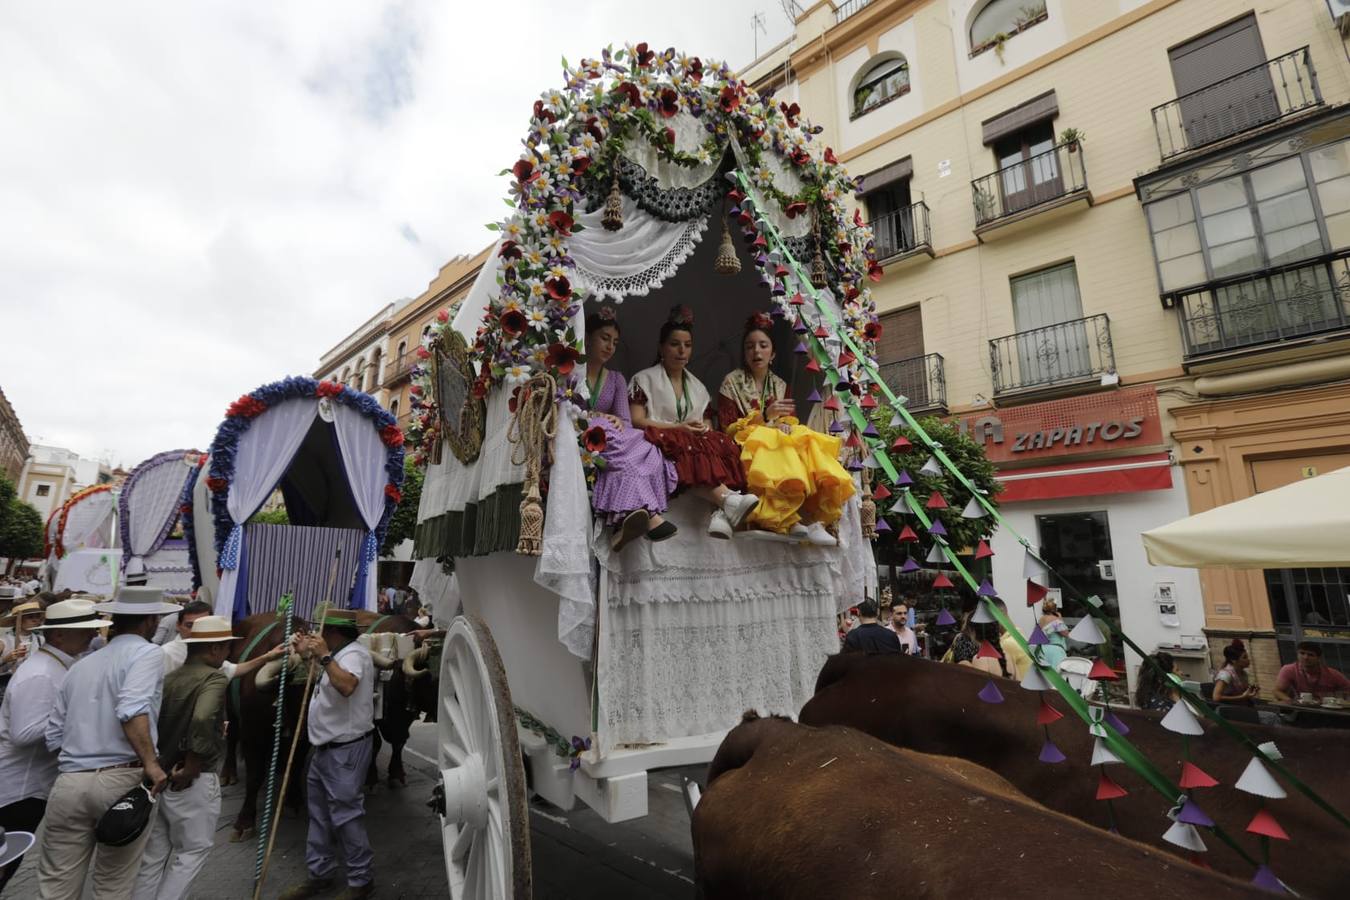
x=1115 y=243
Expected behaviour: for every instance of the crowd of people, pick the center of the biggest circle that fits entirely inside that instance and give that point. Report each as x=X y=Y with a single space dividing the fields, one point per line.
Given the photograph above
x=110 y=740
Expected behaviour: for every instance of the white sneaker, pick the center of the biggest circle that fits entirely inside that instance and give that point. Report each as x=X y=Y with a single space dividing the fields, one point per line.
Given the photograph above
x=799 y=532
x=737 y=506
x=816 y=534
x=719 y=527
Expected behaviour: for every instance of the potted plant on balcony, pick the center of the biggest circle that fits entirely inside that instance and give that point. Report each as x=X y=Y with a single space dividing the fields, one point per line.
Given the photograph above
x=985 y=205
x=1071 y=137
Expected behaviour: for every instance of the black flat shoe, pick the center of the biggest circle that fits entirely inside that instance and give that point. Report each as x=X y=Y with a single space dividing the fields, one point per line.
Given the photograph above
x=663 y=532
x=634 y=526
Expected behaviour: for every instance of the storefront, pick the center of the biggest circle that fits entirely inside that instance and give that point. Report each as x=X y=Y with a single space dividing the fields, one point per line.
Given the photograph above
x=1233 y=448
x=1082 y=478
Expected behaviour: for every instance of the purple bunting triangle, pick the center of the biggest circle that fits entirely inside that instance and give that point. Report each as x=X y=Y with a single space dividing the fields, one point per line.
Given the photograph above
x=801 y=348
x=1192 y=814
x=1050 y=753
x=1266 y=880
x=854 y=466
x=986 y=589
x=836 y=427
x=815 y=396
x=882 y=525
x=800 y=327
x=910 y=566
x=1113 y=720
x=991 y=694
x=904 y=478
x=871 y=430
x=936 y=528
x=1037 y=637
x=944 y=618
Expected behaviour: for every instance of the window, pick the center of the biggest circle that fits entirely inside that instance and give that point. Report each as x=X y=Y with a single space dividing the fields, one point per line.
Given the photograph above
x=1028 y=167
x=1052 y=339
x=426 y=335
x=1331 y=173
x=1003 y=18
x=44 y=490
x=891 y=218
x=880 y=83
x=402 y=349
x=393 y=407
x=1075 y=545
x=1222 y=85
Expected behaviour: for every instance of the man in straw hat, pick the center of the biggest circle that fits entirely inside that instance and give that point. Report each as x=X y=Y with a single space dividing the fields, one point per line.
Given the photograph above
x=103 y=723
x=191 y=744
x=27 y=767
x=341 y=728
x=21 y=642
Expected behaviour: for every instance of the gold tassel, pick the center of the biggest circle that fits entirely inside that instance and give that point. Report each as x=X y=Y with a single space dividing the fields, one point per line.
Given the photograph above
x=868 y=514
x=819 y=280
x=531 y=517
x=531 y=429
x=727 y=263
x=613 y=216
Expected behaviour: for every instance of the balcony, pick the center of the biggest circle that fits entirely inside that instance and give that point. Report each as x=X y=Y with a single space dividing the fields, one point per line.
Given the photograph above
x=1070 y=353
x=902 y=233
x=400 y=369
x=1053 y=179
x=849 y=8
x=1250 y=99
x=921 y=379
x=1278 y=307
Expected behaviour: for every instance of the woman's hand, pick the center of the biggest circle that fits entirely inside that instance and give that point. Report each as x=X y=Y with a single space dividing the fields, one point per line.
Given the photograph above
x=699 y=427
x=780 y=408
x=613 y=420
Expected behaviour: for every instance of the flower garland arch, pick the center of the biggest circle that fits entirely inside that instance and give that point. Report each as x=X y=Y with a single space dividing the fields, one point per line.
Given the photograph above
x=60 y=545
x=577 y=137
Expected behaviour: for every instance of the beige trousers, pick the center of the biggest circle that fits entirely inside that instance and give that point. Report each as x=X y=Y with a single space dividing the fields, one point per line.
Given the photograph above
x=73 y=809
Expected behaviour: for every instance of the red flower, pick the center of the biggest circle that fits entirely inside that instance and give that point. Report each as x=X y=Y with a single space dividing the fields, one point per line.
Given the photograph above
x=515 y=399
x=857 y=218
x=328 y=389
x=443 y=316
x=830 y=157
x=480 y=388
x=562 y=357
x=579 y=166
x=392 y=436
x=851 y=292
x=790 y=112
x=696 y=69
x=423 y=353
x=795 y=209
x=593 y=128
x=558 y=289
x=246 y=407
x=845 y=247
x=800 y=157
x=415 y=390
x=185 y=509
x=728 y=101
x=670 y=136
x=546 y=115
x=561 y=222
x=630 y=91
x=524 y=171
x=594 y=439
x=643 y=56
x=670 y=102
x=217 y=485
x=513 y=322
x=872 y=331
x=510 y=250
x=874 y=271
x=393 y=493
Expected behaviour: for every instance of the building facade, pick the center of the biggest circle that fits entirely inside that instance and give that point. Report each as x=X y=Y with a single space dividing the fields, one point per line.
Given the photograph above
x=359 y=360
x=13 y=442
x=52 y=475
x=1114 y=239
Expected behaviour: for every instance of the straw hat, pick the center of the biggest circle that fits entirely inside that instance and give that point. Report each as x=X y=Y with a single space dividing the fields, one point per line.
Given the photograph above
x=209 y=629
x=137 y=600
x=19 y=610
x=72 y=614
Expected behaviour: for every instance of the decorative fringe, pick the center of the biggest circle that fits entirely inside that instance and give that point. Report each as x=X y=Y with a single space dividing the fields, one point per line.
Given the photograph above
x=727 y=263
x=612 y=218
x=868 y=513
x=819 y=280
x=532 y=427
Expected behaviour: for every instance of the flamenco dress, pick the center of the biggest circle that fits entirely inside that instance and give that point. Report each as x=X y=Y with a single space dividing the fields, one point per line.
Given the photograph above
x=701 y=460
x=635 y=475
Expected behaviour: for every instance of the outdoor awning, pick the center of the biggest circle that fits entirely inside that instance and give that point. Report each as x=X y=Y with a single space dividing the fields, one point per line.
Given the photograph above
x=1038 y=109
x=1301 y=525
x=887 y=175
x=1128 y=474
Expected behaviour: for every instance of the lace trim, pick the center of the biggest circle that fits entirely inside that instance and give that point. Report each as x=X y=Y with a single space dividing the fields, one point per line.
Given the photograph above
x=642 y=283
x=668 y=204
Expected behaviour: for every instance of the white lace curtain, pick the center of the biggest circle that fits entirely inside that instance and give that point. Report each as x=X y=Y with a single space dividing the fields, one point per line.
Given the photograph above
x=90 y=522
x=636 y=259
x=151 y=505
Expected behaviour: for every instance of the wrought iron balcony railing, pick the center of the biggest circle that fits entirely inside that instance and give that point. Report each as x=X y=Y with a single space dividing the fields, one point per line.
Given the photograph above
x=1273 y=306
x=1036 y=180
x=1252 y=98
x=903 y=231
x=848 y=8
x=922 y=379
x=400 y=369
x=1070 y=351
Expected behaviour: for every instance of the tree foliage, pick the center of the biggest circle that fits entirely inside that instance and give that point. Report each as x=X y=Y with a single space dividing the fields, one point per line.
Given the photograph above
x=404 y=521
x=275 y=516
x=20 y=525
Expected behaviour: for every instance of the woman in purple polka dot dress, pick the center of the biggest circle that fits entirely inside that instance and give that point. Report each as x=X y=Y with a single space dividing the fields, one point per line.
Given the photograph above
x=633 y=487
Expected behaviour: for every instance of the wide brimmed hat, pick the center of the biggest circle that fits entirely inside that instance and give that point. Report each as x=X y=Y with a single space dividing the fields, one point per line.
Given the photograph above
x=137 y=600
x=14 y=844
x=210 y=628
x=19 y=610
x=72 y=614
x=343 y=618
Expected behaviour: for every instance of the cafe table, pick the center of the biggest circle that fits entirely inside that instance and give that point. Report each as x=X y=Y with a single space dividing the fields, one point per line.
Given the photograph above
x=1305 y=715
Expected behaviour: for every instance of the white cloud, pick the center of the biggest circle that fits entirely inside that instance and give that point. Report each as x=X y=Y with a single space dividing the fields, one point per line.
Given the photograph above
x=199 y=198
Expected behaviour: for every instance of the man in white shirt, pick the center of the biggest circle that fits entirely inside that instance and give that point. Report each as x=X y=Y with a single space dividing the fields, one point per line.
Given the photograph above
x=341 y=733
x=900 y=625
x=175 y=651
x=27 y=767
x=103 y=723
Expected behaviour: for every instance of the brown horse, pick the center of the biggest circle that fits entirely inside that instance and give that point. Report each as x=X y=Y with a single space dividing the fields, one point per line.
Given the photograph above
x=405 y=699
x=933 y=708
x=792 y=811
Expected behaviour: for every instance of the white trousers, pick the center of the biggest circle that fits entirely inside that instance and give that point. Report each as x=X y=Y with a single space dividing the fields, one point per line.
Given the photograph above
x=182 y=834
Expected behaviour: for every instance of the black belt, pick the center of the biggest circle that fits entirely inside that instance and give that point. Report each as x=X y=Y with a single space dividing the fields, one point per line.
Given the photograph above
x=332 y=744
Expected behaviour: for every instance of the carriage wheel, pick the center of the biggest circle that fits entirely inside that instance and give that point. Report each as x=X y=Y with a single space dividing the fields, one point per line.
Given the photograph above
x=486 y=827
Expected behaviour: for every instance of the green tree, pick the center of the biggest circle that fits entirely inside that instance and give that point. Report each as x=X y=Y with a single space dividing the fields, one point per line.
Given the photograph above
x=274 y=516
x=20 y=526
x=403 y=523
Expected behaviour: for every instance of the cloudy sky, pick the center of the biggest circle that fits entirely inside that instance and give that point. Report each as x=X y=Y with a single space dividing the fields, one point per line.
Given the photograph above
x=198 y=198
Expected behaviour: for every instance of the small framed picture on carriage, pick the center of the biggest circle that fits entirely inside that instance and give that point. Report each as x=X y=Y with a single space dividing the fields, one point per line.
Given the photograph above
x=462 y=414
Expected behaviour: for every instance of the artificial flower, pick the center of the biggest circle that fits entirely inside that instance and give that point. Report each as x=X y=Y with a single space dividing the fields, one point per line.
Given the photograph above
x=830 y=157
x=523 y=170
x=392 y=436
x=594 y=439
x=324 y=389
x=246 y=407
x=728 y=101
x=630 y=92
x=670 y=103
x=217 y=485
x=874 y=271
x=795 y=209
x=872 y=331
x=443 y=316
x=562 y=357
x=790 y=112
x=537 y=318
x=392 y=492
x=561 y=222
x=517 y=374
x=559 y=289
x=423 y=353
x=642 y=56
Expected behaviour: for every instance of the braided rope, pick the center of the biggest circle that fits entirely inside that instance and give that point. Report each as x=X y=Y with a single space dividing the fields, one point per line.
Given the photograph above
x=533 y=424
x=284 y=610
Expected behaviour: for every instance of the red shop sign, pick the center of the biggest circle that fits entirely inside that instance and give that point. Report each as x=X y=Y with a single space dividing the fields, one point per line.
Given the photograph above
x=1125 y=419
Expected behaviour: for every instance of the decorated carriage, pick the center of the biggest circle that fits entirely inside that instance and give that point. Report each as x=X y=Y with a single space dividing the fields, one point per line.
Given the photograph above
x=591 y=665
x=149 y=509
x=81 y=540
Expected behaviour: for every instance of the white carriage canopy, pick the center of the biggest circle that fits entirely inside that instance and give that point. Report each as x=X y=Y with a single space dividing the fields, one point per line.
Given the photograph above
x=337 y=459
x=82 y=554
x=1300 y=525
x=149 y=510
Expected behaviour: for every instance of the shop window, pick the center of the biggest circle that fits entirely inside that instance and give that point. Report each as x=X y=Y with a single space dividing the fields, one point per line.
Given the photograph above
x=1076 y=545
x=998 y=20
x=881 y=82
x=1311 y=605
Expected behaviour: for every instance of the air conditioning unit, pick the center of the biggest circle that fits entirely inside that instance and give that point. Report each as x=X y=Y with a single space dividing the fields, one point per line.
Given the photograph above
x=1107 y=569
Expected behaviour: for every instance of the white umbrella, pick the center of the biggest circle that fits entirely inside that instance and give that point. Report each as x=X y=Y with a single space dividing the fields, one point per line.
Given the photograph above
x=1301 y=525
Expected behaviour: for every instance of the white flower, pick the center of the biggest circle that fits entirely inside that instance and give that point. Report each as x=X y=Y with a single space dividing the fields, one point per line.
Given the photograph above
x=537 y=318
x=517 y=374
x=534 y=257
x=512 y=230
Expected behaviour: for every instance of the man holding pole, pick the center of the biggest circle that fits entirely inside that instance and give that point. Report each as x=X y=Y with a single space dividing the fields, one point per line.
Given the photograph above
x=341 y=732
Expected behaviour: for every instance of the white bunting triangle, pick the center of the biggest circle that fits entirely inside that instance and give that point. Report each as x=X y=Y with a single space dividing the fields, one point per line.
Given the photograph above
x=932 y=467
x=1087 y=632
x=1270 y=750
x=936 y=555
x=981 y=615
x=896 y=419
x=1034 y=680
x=1101 y=753
x=1033 y=567
x=1185 y=836
x=1256 y=779
x=973 y=510
x=1180 y=720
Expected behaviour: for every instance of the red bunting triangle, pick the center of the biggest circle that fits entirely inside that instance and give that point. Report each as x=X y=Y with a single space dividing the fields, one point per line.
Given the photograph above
x=846 y=358
x=936 y=501
x=1047 y=714
x=880 y=492
x=982 y=551
x=942 y=581
x=1192 y=776
x=1108 y=789
x=901 y=443
x=853 y=439
x=987 y=651
x=1100 y=671
x=831 y=402
x=797 y=299
x=812 y=366
x=1264 y=824
x=907 y=534
x=1035 y=592
x=868 y=402
x=821 y=332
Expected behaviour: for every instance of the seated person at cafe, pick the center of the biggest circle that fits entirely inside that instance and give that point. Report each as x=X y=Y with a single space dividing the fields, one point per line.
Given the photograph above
x=1309 y=676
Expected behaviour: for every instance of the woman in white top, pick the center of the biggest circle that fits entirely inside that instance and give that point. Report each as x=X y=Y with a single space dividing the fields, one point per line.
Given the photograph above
x=675 y=411
x=22 y=642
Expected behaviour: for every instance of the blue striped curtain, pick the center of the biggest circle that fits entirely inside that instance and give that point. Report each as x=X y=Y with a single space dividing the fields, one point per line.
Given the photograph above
x=296 y=558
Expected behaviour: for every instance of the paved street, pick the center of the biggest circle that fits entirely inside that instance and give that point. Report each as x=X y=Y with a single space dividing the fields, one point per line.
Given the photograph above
x=575 y=854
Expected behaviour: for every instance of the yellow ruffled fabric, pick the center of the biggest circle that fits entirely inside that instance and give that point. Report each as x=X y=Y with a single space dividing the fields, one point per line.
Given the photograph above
x=795 y=475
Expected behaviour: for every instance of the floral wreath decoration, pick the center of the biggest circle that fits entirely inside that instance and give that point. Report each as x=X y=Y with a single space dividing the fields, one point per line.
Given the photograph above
x=189 y=457
x=239 y=418
x=60 y=544
x=576 y=136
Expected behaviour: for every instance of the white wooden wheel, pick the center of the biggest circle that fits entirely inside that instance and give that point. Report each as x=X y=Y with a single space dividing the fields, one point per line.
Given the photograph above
x=486 y=828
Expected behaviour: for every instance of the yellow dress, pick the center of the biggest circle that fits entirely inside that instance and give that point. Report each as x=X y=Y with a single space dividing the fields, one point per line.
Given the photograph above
x=795 y=472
